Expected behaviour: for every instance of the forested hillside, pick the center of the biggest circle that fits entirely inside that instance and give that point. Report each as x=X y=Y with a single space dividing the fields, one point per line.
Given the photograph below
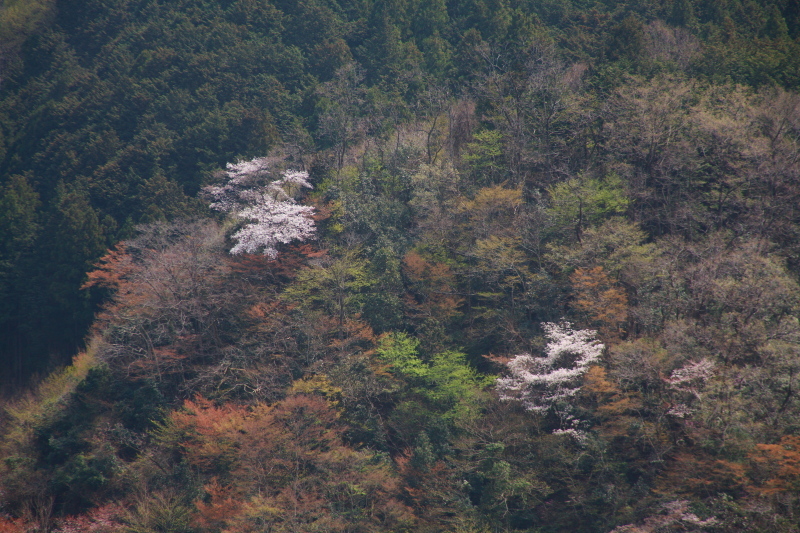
x=467 y=266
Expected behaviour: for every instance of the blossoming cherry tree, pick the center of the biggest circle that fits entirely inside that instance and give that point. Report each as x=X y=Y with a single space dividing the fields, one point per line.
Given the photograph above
x=275 y=216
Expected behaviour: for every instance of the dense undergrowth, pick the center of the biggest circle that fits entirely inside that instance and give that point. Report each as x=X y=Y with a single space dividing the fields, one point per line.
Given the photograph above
x=490 y=179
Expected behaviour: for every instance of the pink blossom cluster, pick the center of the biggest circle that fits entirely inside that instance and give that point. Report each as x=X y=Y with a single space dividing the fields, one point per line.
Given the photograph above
x=695 y=372
x=245 y=181
x=274 y=222
x=273 y=214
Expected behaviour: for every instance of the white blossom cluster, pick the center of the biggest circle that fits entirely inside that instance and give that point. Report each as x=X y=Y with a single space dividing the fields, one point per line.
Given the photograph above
x=274 y=222
x=700 y=371
x=577 y=435
x=245 y=181
x=541 y=382
x=674 y=516
x=689 y=379
x=274 y=214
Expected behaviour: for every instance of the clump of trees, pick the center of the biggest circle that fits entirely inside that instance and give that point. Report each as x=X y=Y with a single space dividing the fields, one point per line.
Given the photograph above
x=536 y=270
x=275 y=217
x=549 y=383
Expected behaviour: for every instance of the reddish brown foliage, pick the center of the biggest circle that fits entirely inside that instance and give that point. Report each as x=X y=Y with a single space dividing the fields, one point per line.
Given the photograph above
x=612 y=406
x=281 y=270
x=284 y=465
x=433 y=287
x=105 y=519
x=605 y=304
x=110 y=270
x=223 y=503
x=779 y=464
x=432 y=493
x=695 y=472
x=8 y=525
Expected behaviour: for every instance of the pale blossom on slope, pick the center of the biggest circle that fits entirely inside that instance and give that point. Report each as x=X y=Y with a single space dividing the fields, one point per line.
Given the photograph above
x=548 y=382
x=273 y=215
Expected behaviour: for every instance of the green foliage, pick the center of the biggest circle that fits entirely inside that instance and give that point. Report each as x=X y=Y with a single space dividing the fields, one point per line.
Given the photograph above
x=19 y=228
x=446 y=384
x=480 y=167
x=140 y=101
x=20 y=19
x=581 y=202
x=18 y=204
x=484 y=155
x=400 y=351
x=282 y=465
x=334 y=284
x=47 y=443
x=382 y=307
x=498 y=489
x=165 y=512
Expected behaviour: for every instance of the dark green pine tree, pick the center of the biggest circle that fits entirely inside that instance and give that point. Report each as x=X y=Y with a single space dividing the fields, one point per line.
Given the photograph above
x=55 y=312
x=776 y=27
x=682 y=14
x=19 y=227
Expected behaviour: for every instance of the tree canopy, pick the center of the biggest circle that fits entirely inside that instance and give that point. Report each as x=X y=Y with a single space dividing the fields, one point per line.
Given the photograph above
x=464 y=265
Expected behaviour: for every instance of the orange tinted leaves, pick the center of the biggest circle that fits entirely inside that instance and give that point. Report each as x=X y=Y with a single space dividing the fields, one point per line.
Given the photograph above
x=104 y=519
x=264 y=310
x=355 y=334
x=779 y=464
x=433 y=287
x=596 y=382
x=698 y=473
x=415 y=265
x=206 y=433
x=281 y=269
x=110 y=270
x=604 y=303
x=418 y=268
x=8 y=525
x=282 y=467
x=614 y=409
x=223 y=503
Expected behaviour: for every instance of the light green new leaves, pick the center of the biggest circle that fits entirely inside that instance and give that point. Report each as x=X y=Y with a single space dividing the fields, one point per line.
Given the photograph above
x=581 y=202
x=446 y=383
